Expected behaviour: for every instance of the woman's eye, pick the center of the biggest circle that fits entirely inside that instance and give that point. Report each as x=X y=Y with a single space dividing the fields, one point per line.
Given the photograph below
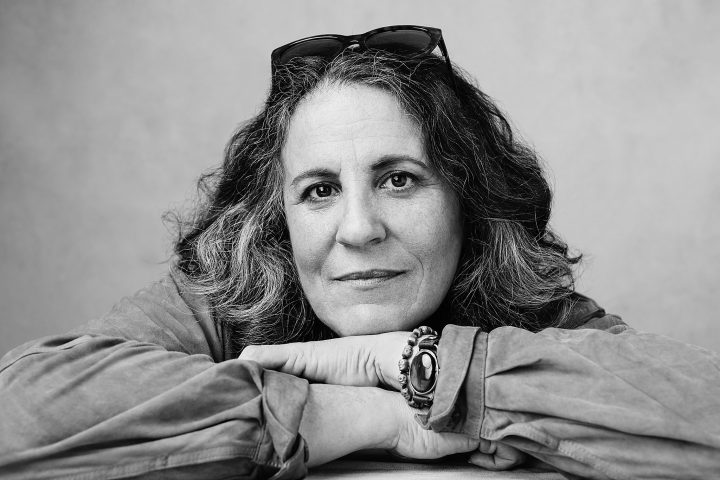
x=319 y=192
x=322 y=191
x=399 y=180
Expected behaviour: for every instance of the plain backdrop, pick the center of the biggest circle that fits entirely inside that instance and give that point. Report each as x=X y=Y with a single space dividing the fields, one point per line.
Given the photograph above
x=109 y=111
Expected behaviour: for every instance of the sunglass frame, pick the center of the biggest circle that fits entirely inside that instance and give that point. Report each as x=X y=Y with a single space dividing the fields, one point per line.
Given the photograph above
x=435 y=34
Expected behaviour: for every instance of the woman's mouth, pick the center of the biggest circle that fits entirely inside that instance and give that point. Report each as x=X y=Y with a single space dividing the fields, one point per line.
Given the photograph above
x=369 y=277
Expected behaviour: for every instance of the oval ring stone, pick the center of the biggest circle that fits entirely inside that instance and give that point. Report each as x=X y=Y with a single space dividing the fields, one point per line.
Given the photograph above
x=422 y=372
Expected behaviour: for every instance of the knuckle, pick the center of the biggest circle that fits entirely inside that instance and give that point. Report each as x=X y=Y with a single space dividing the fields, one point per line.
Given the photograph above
x=249 y=352
x=296 y=361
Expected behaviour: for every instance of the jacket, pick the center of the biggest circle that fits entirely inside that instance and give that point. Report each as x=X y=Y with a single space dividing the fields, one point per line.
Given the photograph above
x=153 y=389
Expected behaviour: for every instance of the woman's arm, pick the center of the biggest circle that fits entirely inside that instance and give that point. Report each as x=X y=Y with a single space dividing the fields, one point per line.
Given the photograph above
x=144 y=391
x=339 y=420
x=598 y=404
x=372 y=360
x=109 y=407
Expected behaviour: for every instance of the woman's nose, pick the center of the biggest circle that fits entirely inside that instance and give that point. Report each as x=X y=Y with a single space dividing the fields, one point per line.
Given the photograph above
x=360 y=224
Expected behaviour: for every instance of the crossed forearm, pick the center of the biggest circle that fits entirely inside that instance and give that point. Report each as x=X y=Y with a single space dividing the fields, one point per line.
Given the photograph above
x=339 y=420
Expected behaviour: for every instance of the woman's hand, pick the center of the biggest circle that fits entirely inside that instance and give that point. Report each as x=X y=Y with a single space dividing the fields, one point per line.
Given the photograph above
x=415 y=442
x=372 y=360
x=338 y=420
x=496 y=456
x=364 y=360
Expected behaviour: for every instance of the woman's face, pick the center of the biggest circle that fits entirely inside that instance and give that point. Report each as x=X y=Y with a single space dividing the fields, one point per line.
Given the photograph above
x=375 y=233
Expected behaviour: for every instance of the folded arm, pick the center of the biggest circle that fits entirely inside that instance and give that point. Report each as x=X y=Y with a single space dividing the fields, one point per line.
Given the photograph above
x=598 y=404
x=107 y=406
x=601 y=402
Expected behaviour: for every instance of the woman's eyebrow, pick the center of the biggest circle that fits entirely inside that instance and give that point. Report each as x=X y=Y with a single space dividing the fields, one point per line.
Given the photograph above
x=313 y=173
x=384 y=162
x=387 y=161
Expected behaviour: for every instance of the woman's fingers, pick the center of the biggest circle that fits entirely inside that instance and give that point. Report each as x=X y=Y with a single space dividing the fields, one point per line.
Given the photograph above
x=297 y=359
x=367 y=360
x=274 y=357
x=496 y=456
x=340 y=361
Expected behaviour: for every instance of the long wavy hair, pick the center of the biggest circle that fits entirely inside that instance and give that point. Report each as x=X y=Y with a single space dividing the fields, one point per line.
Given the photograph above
x=235 y=248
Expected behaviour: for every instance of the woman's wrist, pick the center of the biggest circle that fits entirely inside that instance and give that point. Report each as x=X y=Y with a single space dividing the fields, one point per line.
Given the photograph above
x=339 y=420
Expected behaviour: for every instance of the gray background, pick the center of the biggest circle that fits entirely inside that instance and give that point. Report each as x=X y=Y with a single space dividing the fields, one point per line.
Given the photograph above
x=110 y=110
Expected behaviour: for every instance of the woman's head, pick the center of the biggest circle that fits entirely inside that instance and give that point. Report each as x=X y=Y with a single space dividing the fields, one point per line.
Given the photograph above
x=375 y=232
x=260 y=276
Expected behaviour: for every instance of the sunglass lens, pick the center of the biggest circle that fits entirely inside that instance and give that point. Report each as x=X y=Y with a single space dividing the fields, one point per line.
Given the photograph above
x=404 y=42
x=316 y=47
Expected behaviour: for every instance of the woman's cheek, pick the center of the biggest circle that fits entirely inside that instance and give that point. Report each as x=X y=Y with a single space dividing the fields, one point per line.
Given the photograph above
x=311 y=238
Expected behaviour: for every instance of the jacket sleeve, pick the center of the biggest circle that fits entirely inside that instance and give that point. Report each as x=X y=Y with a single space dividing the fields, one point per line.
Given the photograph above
x=613 y=403
x=109 y=405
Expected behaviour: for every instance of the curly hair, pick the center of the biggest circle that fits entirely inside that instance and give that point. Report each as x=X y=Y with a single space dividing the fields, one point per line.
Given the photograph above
x=513 y=270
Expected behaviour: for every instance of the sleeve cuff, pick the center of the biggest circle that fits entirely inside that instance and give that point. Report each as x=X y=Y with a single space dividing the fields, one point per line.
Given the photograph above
x=459 y=402
x=284 y=398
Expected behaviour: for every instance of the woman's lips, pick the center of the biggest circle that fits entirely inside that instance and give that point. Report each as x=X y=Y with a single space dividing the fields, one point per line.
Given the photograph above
x=369 y=277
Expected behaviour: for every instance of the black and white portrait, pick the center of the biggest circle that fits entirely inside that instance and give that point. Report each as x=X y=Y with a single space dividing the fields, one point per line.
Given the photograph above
x=314 y=238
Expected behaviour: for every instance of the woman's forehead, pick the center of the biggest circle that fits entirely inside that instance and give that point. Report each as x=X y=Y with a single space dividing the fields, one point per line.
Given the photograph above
x=341 y=122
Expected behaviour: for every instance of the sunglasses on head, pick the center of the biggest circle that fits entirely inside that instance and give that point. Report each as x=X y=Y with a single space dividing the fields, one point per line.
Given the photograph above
x=408 y=40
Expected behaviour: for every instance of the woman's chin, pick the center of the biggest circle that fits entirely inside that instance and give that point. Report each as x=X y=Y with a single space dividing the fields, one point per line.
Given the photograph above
x=370 y=320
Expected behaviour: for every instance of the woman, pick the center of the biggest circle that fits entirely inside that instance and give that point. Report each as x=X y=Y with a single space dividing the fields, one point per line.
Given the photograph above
x=377 y=191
